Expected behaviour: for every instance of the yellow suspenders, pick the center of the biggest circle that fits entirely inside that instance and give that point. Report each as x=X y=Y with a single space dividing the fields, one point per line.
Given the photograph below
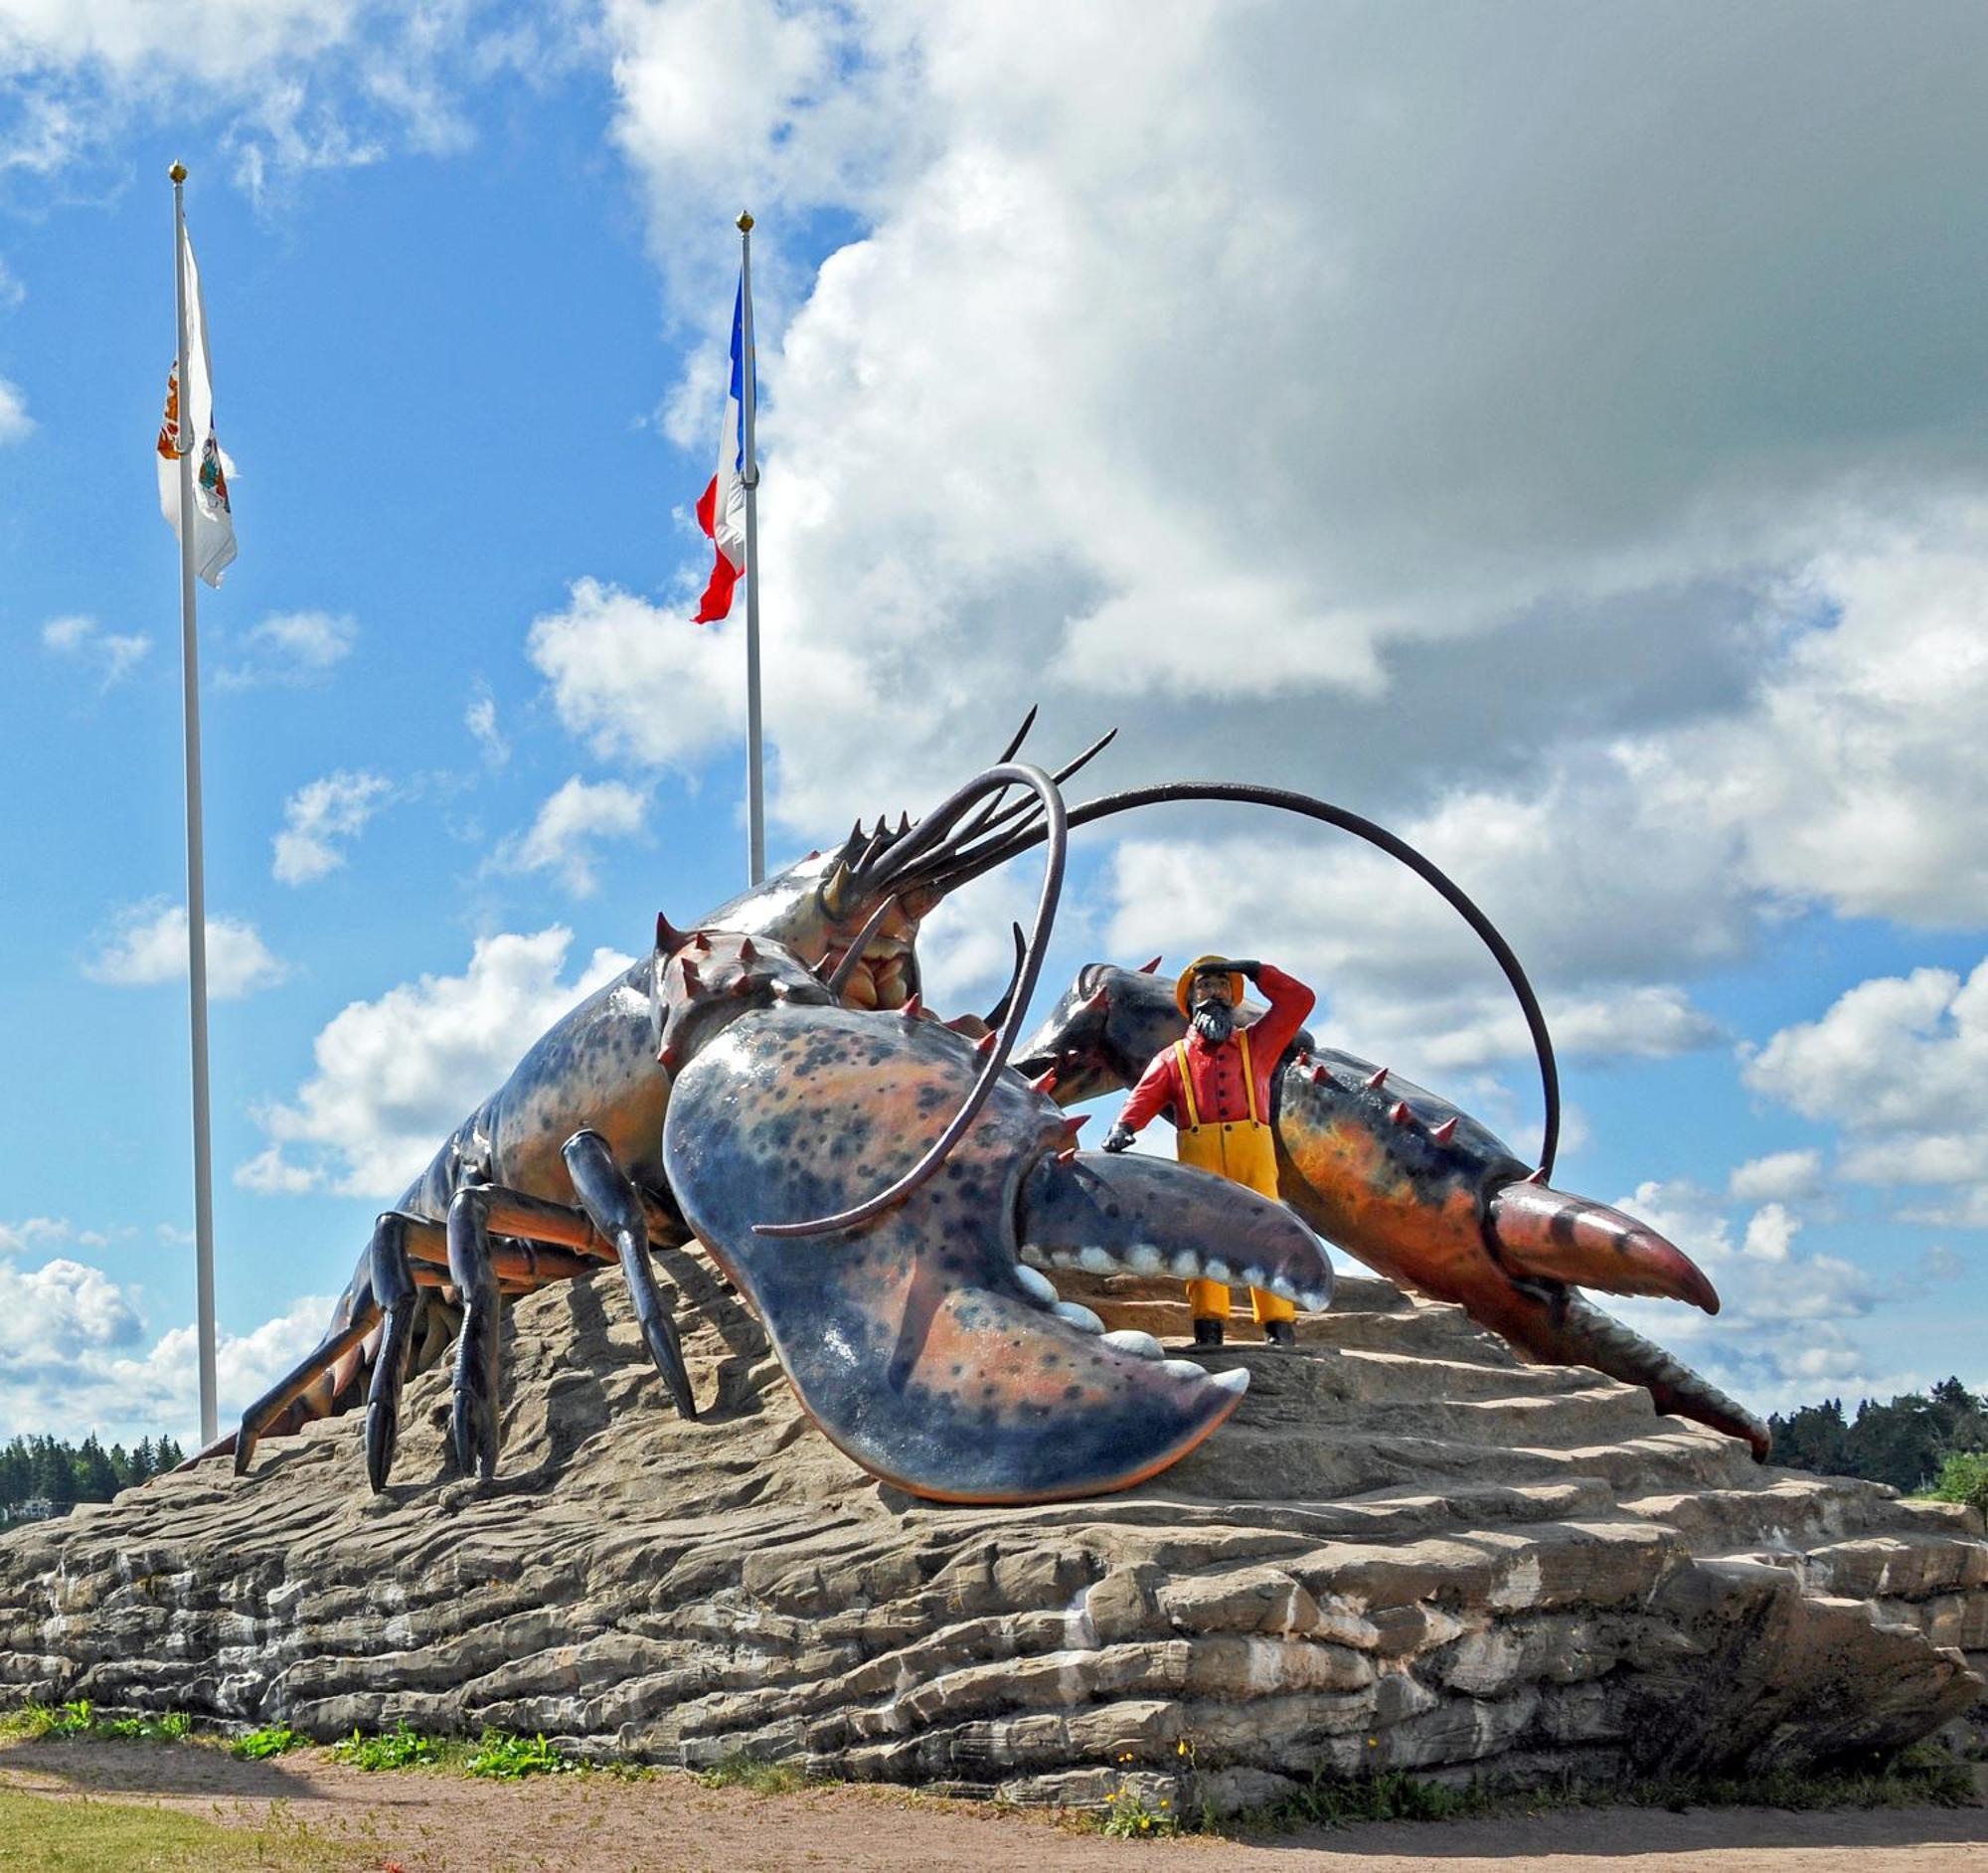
x=1187 y=1082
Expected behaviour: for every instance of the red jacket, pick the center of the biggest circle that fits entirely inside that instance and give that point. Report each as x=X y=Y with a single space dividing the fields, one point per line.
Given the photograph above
x=1219 y=1094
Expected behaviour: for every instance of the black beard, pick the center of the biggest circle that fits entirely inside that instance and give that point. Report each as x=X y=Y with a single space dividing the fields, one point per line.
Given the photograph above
x=1215 y=1022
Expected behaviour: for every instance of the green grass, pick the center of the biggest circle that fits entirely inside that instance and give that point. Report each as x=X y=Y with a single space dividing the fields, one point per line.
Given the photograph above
x=52 y=1835
x=1919 y=1778
x=740 y=1771
x=260 y=1745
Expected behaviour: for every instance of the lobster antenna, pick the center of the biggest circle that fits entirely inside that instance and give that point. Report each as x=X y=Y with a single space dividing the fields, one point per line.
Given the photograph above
x=999 y=1012
x=967 y=866
x=1055 y=831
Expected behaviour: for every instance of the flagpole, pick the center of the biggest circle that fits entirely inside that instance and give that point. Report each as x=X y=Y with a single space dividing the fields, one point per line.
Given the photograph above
x=755 y=803
x=203 y=1171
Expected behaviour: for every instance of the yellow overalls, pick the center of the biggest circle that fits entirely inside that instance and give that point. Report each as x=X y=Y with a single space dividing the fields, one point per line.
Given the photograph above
x=1244 y=1150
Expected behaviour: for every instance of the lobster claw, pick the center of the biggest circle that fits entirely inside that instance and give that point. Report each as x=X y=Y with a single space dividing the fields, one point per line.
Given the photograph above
x=916 y=1338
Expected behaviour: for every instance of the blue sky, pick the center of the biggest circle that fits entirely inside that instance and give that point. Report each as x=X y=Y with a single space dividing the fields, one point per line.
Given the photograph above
x=1532 y=430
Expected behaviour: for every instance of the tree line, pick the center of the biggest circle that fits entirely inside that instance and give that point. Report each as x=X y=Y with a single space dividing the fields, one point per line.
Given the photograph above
x=1912 y=1442
x=63 y=1474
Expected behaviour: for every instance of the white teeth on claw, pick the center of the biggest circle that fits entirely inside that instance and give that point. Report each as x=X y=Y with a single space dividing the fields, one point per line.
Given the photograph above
x=1187 y=1263
x=1097 y=1261
x=1185 y=1369
x=1139 y=1345
x=1236 y=1380
x=1144 y=1259
x=1036 y=1286
x=1078 y=1316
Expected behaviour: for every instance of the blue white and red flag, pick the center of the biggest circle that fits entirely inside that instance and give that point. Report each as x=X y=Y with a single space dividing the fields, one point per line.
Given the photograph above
x=721 y=509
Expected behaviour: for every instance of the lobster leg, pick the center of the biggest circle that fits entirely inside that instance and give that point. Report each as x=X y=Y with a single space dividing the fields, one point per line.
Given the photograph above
x=399 y=1294
x=615 y=1210
x=265 y=1411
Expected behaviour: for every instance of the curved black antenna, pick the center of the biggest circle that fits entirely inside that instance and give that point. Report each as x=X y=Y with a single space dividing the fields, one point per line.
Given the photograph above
x=1055 y=831
x=999 y=1012
x=967 y=866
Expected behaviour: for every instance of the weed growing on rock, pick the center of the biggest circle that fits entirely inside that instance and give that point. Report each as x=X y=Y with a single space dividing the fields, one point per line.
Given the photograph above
x=398 y=1748
x=501 y=1757
x=79 y=1718
x=260 y=1745
x=740 y=1771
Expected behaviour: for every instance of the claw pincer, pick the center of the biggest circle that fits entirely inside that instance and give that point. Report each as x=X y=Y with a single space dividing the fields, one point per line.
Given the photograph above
x=916 y=1339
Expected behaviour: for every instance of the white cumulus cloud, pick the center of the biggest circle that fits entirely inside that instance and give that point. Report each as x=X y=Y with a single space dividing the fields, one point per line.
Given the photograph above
x=147 y=945
x=75 y=1356
x=114 y=655
x=561 y=838
x=292 y=650
x=319 y=818
x=16 y=425
x=394 y=1077
x=1898 y=1062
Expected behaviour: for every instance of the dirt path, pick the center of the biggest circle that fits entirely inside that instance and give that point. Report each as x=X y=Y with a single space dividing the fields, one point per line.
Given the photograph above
x=419 y=1822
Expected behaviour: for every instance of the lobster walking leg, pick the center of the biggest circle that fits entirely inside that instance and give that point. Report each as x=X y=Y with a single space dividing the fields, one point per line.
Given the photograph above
x=261 y=1414
x=615 y=1210
x=399 y=1295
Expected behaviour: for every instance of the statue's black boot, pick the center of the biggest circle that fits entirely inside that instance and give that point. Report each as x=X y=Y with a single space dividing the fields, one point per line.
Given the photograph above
x=1280 y=1333
x=1208 y=1332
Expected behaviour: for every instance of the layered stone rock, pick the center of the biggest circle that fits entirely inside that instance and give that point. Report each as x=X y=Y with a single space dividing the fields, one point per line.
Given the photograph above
x=1407 y=1550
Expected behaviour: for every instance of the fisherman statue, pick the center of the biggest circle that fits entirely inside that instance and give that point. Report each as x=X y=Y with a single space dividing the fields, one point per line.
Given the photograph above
x=1215 y=1086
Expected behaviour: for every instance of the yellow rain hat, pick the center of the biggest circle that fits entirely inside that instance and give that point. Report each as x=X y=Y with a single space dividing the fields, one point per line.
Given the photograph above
x=1187 y=977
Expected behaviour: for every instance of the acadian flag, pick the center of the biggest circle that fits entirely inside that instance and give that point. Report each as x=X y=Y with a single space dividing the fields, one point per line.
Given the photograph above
x=189 y=423
x=720 y=508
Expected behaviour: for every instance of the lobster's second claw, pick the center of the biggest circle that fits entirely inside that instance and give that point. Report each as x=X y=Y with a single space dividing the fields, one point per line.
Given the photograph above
x=1542 y=1231
x=1149 y=1216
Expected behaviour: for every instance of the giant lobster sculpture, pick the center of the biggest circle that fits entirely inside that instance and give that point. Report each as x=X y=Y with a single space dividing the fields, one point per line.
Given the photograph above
x=751 y=1082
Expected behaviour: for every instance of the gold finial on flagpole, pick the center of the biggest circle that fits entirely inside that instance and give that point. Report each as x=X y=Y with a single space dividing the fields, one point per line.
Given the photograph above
x=745 y=223
x=178 y=172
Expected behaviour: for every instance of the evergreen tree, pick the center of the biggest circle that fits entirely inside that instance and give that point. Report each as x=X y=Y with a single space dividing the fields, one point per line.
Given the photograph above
x=54 y=1472
x=144 y=1461
x=96 y=1481
x=17 y=1474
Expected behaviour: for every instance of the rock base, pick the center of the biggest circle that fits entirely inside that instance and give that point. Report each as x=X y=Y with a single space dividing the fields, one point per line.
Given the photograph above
x=1406 y=1551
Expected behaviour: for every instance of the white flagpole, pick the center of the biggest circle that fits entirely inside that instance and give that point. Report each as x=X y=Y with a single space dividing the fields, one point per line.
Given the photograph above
x=755 y=804
x=203 y=1171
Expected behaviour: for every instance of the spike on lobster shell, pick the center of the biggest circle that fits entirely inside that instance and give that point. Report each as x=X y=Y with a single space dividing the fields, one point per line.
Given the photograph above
x=1099 y=1000
x=693 y=982
x=1072 y=1126
x=1536 y=1177
x=1318 y=1074
x=832 y=889
x=1152 y=967
x=814 y=852
x=912 y=1009
x=1399 y=1114
x=1443 y=1132
x=985 y=1044
x=668 y=1055
x=747 y=950
x=1376 y=1080
x=701 y=943
x=904 y=824
x=1046 y=1083
x=669 y=938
